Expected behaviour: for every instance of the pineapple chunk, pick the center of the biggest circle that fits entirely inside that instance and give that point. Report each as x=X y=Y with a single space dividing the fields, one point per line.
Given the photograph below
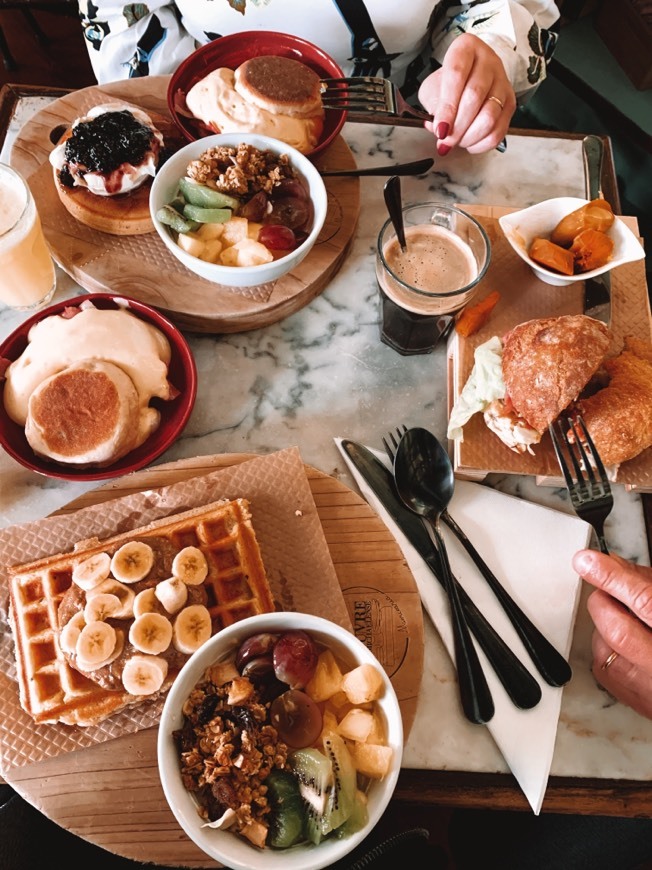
x=246 y=252
x=327 y=679
x=371 y=759
x=362 y=684
x=234 y=230
x=377 y=733
x=356 y=725
x=337 y=702
x=210 y=231
x=190 y=243
x=329 y=724
x=212 y=250
x=253 y=229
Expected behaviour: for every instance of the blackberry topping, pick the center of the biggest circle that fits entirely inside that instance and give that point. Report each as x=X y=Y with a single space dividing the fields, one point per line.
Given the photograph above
x=106 y=142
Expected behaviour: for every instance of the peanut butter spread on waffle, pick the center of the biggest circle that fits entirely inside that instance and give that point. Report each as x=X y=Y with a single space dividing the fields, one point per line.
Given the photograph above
x=110 y=624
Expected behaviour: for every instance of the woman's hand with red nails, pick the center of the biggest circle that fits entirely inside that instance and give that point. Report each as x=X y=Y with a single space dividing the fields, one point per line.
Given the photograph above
x=621 y=610
x=458 y=97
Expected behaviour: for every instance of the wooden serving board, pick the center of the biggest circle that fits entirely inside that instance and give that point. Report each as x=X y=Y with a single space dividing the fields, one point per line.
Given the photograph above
x=141 y=266
x=110 y=793
x=524 y=297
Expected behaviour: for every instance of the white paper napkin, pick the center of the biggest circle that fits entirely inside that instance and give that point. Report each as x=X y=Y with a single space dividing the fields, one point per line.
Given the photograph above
x=529 y=548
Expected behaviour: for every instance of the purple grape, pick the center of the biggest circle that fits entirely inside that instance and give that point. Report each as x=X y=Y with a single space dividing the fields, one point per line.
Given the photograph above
x=254 y=647
x=295 y=658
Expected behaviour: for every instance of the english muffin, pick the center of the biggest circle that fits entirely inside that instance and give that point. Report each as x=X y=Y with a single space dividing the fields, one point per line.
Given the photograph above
x=280 y=85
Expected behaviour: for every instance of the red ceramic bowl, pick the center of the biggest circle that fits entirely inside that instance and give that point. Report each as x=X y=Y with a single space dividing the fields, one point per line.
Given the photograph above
x=182 y=374
x=232 y=50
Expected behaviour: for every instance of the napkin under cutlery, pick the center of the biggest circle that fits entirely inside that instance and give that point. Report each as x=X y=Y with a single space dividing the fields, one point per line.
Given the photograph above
x=529 y=548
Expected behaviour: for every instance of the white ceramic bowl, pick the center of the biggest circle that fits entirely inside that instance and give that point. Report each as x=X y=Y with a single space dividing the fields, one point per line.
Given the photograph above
x=521 y=227
x=165 y=188
x=229 y=848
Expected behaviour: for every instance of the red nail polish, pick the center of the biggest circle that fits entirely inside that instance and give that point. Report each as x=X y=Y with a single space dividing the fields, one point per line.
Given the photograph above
x=443 y=150
x=442 y=129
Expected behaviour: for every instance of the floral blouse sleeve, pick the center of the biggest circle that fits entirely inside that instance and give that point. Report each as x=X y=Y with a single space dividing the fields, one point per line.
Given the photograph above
x=515 y=30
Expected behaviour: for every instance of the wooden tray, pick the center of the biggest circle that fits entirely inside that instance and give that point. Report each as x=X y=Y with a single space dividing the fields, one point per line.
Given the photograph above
x=110 y=794
x=141 y=266
x=524 y=297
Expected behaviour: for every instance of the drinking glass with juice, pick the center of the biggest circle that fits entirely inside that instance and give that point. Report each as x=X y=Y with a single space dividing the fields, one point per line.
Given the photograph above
x=27 y=276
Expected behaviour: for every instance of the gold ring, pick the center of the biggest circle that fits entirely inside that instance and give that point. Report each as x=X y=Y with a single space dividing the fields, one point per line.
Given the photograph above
x=496 y=100
x=611 y=658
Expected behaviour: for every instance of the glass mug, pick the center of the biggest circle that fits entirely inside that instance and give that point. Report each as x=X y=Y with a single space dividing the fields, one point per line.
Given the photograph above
x=27 y=277
x=448 y=253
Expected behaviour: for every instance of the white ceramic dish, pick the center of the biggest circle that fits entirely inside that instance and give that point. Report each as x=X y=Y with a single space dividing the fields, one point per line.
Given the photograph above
x=165 y=188
x=521 y=227
x=229 y=848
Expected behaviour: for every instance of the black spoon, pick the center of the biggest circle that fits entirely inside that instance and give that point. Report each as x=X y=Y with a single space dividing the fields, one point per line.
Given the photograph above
x=424 y=480
x=392 y=194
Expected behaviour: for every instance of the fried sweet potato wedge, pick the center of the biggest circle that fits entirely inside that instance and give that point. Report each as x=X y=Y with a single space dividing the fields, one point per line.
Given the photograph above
x=595 y=215
x=475 y=316
x=591 y=249
x=552 y=256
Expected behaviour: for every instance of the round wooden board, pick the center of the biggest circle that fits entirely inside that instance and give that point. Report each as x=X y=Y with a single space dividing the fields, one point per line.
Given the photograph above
x=141 y=266
x=110 y=794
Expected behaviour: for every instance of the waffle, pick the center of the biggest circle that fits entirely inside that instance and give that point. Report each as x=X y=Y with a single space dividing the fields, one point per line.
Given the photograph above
x=50 y=689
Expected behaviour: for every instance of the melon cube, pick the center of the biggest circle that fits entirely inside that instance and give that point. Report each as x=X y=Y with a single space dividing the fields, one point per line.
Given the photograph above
x=212 y=250
x=210 y=231
x=362 y=684
x=377 y=733
x=356 y=725
x=234 y=230
x=371 y=759
x=327 y=678
x=190 y=243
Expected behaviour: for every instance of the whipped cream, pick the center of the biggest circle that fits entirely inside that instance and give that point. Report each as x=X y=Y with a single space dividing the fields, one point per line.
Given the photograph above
x=124 y=178
x=216 y=101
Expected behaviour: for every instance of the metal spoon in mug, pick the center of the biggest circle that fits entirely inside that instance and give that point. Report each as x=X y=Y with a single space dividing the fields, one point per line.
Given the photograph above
x=392 y=194
x=425 y=483
x=416 y=167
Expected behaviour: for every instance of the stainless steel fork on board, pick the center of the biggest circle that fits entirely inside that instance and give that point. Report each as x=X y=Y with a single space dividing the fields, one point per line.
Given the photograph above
x=587 y=483
x=374 y=100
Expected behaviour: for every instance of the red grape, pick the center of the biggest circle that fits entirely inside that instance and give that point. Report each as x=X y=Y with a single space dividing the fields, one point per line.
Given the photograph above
x=289 y=211
x=290 y=187
x=276 y=237
x=297 y=718
x=295 y=658
x=255 y=208
x=254 y=647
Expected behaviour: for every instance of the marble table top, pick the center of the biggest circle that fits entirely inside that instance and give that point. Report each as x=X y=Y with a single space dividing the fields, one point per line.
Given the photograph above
x=323 y=372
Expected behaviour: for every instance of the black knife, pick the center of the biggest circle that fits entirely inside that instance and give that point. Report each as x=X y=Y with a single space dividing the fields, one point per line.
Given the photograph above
x=519 y=684
x=597 y=291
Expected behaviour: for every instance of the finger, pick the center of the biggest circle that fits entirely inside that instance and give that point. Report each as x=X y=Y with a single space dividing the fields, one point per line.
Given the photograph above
x=453 y=79
x=621 y=630
x=631 y=584
x=487 y=129
x=625 y=681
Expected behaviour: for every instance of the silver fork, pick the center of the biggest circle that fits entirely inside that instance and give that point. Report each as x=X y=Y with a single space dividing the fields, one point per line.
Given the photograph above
x=552 y=666
x=374 y=100
x=589 y=488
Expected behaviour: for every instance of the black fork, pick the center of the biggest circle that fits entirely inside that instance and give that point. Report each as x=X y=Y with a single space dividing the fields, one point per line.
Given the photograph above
x=589 y=488
x=552 y=666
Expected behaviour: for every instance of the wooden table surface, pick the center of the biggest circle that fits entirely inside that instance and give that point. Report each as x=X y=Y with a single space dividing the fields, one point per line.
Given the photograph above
x=103 y=796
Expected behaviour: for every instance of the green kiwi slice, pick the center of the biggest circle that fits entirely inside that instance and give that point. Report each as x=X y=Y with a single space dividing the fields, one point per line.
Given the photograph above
x=287 y=815
x=205 y=197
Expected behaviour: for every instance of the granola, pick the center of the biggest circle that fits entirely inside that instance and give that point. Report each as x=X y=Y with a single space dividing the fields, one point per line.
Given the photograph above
x=227 y=748
x=241 y=171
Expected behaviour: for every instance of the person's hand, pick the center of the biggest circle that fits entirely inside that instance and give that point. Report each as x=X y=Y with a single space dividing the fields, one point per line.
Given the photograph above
x=470 y=98
x=621 y=610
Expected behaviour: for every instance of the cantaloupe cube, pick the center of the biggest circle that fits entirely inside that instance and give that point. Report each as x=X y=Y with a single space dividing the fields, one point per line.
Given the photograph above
x=356 y=725
x=371 y=759
x=327 y=678
x=210 y=231
x=191 y=243
x=362 y=684
x=212 y=250
x=234 y=230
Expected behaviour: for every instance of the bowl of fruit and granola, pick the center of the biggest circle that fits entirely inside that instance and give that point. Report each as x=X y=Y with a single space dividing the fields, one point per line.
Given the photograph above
x=280 y=743
x=238 y=209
